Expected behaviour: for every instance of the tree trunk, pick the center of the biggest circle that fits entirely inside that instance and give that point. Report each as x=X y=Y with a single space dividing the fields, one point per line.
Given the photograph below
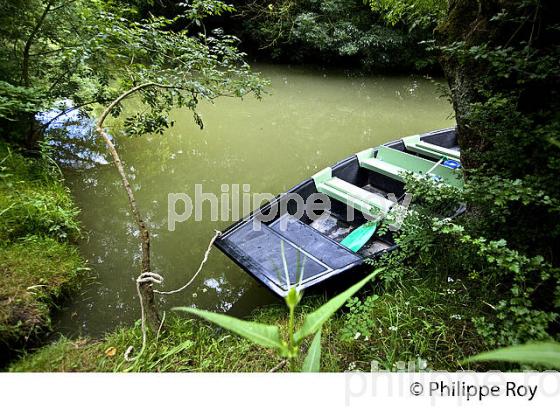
x=32 y=133
x=467 y=20
x=477 y=23
x=146 y=288
x=501 y=63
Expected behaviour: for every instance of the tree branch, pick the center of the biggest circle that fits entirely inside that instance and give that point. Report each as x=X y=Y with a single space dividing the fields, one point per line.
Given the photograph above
x=146 y=289
x=29 y=43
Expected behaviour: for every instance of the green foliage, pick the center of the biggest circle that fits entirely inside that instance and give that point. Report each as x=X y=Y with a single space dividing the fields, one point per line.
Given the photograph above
x=502 y=64
x=520 y=291
x=330 y=31
x=184 y=345
x=416 y=13
x=191 y=345
x=89 y=52
x=35 y=273
x=543 y=354
x=360 y=319
x=312 y=362
x=508 y=115
x=418 y=319
x=15 y=100
x=316 y=319
x=33 y=200
x=37 y=265
x=269 y=336
x=258 y=333
x=518 y=316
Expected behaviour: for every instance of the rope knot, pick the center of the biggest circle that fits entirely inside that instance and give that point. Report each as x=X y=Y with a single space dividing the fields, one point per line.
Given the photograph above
x=149 y=277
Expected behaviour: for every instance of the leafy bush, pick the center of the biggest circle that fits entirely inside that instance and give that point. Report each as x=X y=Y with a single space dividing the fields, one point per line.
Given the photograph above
x=33 y=200
x=521 y=292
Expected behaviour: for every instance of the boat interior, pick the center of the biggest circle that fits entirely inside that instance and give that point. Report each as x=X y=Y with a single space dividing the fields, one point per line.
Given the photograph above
x=307 y=243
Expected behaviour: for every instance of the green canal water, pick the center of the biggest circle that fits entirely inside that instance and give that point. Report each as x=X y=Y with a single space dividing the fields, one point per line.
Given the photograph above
x=311 y=119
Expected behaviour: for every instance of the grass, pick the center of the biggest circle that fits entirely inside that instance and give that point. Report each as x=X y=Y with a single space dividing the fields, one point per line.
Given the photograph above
x=420 y=323
x=186 y=345
x=410 y=325
x=38 y=264
x=34 y=273
x=34 y=200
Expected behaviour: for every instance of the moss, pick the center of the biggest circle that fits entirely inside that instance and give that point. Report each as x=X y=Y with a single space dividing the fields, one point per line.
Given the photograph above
x=35 y=272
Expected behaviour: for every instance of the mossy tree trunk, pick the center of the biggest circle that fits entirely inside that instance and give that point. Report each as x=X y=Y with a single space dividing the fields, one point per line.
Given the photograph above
x=474 y=23
x=466 y=21
x=502 y=61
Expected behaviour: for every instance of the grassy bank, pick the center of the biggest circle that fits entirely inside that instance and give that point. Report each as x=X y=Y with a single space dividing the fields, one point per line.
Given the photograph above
x=409 y=326
x=38 y=263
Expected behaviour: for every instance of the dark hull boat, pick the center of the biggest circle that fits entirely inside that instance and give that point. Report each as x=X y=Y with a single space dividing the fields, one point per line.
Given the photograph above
x=306 y=230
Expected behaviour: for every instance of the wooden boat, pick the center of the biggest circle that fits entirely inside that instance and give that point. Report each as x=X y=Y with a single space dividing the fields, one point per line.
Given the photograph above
x=355 y=190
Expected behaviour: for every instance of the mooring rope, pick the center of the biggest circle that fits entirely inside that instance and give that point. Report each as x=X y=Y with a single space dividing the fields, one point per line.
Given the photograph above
x=186 y=285
x=143 y=278
x=154 y=278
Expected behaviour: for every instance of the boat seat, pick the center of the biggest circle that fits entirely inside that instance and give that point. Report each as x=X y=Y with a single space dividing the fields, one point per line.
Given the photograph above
x=394 y=164
x=415 y=144
x=368 y=203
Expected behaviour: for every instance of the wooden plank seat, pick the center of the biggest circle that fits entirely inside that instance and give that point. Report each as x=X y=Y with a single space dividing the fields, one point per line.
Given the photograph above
x=368 y=203
x=394 y=164
x=414 y=144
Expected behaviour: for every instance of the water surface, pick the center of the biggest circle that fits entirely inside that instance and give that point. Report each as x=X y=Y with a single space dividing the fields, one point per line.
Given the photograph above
x=312 y=119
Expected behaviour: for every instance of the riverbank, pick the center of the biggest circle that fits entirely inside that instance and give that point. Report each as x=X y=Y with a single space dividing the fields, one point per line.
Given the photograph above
x=39 y=264
x=409 y=328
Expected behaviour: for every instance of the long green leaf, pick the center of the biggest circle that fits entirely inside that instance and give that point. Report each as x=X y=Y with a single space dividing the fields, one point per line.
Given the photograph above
x=312 y=362
x=315 y=320
x=258 y=333
x=546 y=354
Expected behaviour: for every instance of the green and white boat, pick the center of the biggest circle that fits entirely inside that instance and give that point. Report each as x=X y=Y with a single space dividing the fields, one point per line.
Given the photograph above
x=332 y=241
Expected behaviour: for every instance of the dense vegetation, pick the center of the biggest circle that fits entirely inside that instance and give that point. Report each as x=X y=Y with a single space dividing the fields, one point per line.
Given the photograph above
x=504 y=83
x=90 y=52
x=38 y=263
x=343 y=32
x=485 y=279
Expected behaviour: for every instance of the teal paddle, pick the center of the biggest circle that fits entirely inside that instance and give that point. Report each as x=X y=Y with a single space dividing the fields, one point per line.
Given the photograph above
x=359 y=236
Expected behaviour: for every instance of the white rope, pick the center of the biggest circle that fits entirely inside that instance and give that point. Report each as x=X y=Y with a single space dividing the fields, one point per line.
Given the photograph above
x=278 y=366
x=154 y=278
x=145 y=277
x=186 y=285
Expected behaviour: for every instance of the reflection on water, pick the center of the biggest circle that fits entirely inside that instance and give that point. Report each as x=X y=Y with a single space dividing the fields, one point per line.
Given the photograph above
x=72 y=136
x=311 y=120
